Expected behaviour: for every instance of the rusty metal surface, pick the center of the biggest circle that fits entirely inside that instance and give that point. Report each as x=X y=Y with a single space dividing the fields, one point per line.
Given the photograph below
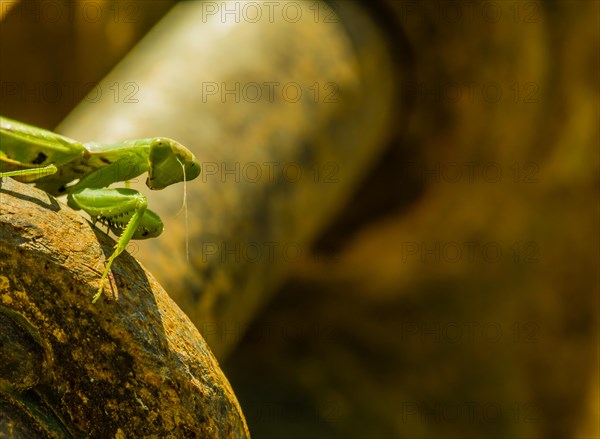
x=132 y=365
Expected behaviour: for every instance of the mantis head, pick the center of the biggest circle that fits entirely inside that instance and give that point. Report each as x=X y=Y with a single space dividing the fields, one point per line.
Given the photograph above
x=170 y=162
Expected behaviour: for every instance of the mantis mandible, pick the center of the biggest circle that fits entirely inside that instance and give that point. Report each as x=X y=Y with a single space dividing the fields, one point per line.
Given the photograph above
x=83 y=171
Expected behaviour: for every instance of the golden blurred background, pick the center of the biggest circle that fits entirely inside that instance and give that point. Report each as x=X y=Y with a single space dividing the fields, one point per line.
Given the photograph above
x=443 y=274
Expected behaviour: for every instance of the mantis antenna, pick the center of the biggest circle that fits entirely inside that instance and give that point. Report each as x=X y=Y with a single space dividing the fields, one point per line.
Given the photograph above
x=184 y=207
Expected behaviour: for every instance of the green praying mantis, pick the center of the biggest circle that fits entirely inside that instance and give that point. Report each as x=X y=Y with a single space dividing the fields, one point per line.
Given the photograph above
x=83 y=171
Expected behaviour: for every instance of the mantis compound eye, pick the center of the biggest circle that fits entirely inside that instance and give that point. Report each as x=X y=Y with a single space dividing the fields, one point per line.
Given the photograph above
x=170 y=162
x=192 y=168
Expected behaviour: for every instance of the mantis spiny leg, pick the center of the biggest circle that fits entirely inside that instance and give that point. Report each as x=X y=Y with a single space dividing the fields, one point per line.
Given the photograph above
x=35 y=172
x=124 y=211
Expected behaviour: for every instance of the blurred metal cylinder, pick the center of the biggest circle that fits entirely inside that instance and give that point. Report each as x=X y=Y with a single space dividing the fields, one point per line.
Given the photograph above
x=286 y=105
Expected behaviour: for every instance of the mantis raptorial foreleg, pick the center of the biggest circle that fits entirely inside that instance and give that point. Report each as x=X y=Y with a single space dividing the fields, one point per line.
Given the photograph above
x=124 y=211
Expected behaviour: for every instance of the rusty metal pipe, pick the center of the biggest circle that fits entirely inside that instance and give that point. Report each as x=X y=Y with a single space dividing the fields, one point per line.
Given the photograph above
x=286 y=105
